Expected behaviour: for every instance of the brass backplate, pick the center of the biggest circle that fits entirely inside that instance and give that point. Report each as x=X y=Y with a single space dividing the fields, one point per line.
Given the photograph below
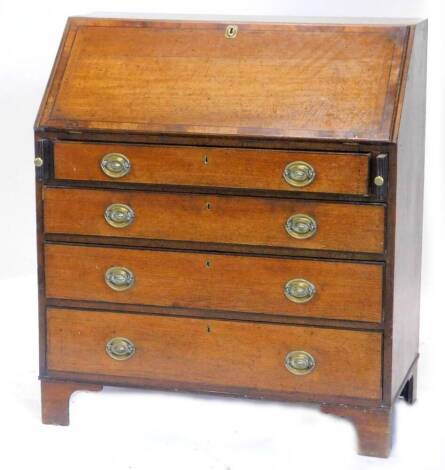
x=299 y=291
x=119 y=278
x=119 y=215
x=120 y=348
x=301 y=226
x=299 y=362
x=115 y=165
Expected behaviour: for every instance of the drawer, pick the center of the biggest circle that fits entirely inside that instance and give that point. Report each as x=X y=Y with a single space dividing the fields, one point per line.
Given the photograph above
x=217 y=219
x=237 y=355
x=340 y=173
x=292 y=287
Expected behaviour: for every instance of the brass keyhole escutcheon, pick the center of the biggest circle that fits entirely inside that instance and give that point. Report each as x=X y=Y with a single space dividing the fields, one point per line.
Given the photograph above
x=231 y=31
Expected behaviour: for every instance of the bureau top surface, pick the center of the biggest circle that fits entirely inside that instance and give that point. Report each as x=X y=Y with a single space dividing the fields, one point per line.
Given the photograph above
x=275 y=80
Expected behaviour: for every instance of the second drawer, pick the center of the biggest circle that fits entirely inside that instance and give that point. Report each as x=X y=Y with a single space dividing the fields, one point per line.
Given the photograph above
x=256 y=221
x=274 y=286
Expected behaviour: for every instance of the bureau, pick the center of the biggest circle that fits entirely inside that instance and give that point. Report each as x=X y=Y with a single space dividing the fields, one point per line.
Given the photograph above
x=235 y=208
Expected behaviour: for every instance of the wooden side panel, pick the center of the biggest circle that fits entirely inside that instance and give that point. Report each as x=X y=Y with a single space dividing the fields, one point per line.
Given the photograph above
x=408 y=230
x=280 y=80
x=335 y=173
x=349 y=291
x=214 y=352
x=219 y=219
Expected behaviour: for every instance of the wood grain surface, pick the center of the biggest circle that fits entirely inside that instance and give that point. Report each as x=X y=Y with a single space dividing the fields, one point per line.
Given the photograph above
x=336 y=173
x=348 y=291
x=218 y=219
x=280 y=80
x=248 y=355
x=408 y=215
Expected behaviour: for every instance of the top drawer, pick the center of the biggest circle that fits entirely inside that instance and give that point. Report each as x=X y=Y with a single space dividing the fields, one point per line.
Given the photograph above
x=336 y=173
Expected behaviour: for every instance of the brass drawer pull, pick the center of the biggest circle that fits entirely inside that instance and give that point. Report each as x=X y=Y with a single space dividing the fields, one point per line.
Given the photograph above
x=299 y=290
x=119 y=215
x=301 y=226
x=119 y=278
x=120 y=348
x=115 y=165
x=299 y=362
x=299 y=174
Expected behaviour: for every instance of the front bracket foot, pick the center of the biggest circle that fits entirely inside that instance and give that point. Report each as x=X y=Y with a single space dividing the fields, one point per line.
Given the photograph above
x=373 y=427
x=56 y=399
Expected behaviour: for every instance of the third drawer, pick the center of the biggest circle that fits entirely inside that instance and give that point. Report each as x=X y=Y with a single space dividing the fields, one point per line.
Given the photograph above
x=220 y=282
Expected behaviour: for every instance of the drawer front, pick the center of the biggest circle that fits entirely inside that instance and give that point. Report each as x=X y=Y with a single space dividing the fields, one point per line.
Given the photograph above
x=217 y=219
x=292 y=287
x=215 y=353
x=339 y=173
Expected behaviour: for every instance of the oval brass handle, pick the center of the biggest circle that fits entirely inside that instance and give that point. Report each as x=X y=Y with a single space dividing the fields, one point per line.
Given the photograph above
x=119 y=215
x=119 y=278
x=299 y=362
x=299 y=174
x=120 y=348
x=115 y=165
x=299 y=290
x=301 y=226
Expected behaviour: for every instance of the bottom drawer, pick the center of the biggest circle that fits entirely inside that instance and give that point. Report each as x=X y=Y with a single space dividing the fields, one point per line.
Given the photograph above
x=232 y=354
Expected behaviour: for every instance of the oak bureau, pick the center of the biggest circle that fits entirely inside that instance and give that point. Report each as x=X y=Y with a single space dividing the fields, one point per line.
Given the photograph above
x=234 y=207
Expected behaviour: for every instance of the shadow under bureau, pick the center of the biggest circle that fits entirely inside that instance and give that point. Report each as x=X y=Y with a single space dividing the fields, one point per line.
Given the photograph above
x=234 y=208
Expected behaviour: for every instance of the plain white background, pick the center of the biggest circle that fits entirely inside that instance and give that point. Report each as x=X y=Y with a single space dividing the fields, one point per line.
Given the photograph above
x=129 y=429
